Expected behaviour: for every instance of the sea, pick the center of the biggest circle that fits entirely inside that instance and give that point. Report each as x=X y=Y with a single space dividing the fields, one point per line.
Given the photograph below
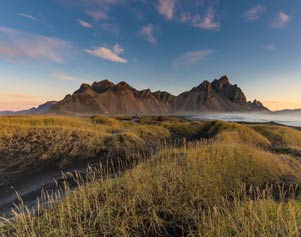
x=285 y=118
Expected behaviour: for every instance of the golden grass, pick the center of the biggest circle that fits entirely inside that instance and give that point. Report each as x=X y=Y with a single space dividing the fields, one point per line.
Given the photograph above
x=280 y=135
x=229 y=185
x=30 y=143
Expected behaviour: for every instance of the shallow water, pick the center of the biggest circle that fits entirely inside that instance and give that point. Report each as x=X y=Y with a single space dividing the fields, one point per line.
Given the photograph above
x=290 y=119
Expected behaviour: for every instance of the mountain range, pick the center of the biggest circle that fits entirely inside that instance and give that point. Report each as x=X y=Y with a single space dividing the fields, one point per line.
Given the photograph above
x=289 y=111
x=105 y=97
x=41 y=109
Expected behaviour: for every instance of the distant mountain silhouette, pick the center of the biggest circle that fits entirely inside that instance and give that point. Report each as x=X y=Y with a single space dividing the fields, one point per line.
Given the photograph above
x=41 y=109
x=105 y=97
x=289 y=111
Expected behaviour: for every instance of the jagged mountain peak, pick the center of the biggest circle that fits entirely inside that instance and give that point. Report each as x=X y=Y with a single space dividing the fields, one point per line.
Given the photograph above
x=121 y=98
x=205 y=84
x=103 y=83
x=256 y=105
x=224 y=79
x=220 y=84
x=83 y=88
x=124 y=85
x=102 y=86
x=146 y=93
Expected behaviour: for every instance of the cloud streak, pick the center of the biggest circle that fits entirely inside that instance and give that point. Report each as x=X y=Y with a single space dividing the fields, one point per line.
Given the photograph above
x=148 y=33
x=84 y=24
x=97 y=14
x=254 y=13
x=64 y=77
x=192 y=57
x=108 y=54
x=18 y=45
x=27 y=16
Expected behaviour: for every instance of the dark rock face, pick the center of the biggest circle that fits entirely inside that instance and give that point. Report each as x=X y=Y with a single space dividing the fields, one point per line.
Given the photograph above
x=102 y=86
x=218 y=96
x=164 y=96
x=198 y=98
x=256 y=105
x=231 y=92
x=105 y=97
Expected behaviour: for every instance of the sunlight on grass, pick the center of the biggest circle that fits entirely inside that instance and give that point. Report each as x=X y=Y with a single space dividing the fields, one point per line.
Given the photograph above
x=222 y=181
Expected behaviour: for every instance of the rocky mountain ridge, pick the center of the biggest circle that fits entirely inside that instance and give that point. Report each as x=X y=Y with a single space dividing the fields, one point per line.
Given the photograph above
x=106 y=97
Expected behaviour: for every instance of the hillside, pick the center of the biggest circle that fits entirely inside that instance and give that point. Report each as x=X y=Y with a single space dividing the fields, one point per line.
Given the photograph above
x=207 y=178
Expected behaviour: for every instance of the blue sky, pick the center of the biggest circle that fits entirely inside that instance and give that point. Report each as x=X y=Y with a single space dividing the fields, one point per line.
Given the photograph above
x=48 y=48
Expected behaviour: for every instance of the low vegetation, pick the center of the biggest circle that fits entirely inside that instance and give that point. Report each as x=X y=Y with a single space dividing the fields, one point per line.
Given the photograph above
x=32 y=143
x=283 y=139
x=199 y=178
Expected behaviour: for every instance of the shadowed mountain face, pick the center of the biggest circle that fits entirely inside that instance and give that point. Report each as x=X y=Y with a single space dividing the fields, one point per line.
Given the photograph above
x=105 y=97
x=217 y=96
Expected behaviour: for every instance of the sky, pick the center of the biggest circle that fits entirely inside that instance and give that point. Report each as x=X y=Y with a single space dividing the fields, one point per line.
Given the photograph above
x=48 y=48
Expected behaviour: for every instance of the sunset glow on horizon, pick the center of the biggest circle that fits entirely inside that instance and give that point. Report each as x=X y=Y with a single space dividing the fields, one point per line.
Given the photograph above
x=49 y=48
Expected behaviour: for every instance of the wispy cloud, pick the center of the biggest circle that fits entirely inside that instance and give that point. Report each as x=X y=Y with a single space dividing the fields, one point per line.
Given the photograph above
x=84 y=24
x=281 y=20
x=148 y=33
x=64 y=77
x=166 y=8
x=117 y=49
x=254 y=13
x=97 y=14
x=108 y=54
x=270 y=47
x=188 y=12
x=18 y=45
x=208 y=22
x=28 y=16
x=192 y=57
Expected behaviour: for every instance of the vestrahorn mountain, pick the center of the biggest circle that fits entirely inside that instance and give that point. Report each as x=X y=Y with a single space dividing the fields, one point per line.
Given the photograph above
x=105 y=97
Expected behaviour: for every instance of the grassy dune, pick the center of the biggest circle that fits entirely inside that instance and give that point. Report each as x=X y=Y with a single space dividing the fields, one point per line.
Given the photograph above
x=31 y=144
x=209 y=179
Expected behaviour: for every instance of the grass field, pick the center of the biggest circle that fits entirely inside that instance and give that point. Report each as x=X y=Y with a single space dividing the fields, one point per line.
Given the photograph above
x=199 y=178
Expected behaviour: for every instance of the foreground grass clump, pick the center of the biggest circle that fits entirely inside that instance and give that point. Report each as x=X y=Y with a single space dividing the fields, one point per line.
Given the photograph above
x=199 y=189
x=33 y=143
x=280 y=136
